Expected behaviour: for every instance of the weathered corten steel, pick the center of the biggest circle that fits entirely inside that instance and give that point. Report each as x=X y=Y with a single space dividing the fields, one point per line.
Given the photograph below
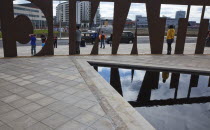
x=20 y=28
x=182 y=32
x=203 y=29
x=46 y=8
x=7 y=17
x=193 y=83
x=174 y=80
x=121 y=10
x=115 y=80
x=94 y=7
x=135 y=48
x=72 y=27
x=156 y=26
x=209 y=82
x=146 y=88
x=155 y=23
x=194 y=80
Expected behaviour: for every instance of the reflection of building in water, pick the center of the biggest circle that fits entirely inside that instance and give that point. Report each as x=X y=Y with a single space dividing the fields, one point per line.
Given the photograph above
x=35 y=14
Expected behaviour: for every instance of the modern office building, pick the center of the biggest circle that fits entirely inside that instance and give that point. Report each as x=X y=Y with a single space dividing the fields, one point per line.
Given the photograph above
x=62 y=13
x=109 y=21
x=171 y=21
x=83 y=14
x=180 y=14
x=35 y=14
x=142 y=21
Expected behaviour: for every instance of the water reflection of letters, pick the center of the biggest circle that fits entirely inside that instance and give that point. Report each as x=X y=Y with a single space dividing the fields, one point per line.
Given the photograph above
x=137 y=86
x=143 y=98
x=115 y=80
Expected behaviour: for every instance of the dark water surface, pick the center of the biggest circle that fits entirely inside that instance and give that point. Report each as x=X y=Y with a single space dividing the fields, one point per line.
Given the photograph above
x=168 y=100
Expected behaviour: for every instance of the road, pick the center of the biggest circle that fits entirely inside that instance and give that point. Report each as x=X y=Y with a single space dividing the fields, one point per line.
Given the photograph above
x=141 y=40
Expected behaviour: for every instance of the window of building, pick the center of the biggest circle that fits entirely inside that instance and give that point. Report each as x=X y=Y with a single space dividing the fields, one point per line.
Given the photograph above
x=25 y=9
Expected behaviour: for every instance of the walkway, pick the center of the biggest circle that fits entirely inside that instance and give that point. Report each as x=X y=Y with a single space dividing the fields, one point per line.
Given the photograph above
x=64 y=92
x=47 y=93
x=123 y=49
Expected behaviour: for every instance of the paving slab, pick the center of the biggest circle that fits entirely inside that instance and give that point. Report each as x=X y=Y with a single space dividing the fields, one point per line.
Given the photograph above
x=143 y=48
x=69 y=89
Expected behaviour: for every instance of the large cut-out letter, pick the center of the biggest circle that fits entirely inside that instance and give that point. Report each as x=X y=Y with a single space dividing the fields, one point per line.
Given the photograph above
x=156 y=26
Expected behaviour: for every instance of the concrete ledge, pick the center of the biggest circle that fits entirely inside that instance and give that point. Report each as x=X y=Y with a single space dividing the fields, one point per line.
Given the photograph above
x=121 y=112
x=187 y=70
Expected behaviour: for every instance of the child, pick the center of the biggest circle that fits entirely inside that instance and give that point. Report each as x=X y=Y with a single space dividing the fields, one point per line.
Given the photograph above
x=33 y=44
x=43 y=38
x=102 y=37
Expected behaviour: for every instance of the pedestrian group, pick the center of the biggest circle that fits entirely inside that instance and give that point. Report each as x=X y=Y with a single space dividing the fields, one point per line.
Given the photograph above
x=102 y=38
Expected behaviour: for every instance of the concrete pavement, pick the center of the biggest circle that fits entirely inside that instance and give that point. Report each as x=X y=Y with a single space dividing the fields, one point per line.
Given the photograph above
x=65 y=92
x=141 y=40
x=123 y=49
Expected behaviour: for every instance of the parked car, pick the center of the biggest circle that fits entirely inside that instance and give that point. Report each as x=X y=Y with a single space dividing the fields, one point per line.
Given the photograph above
x=88 y=37
x=127 y=37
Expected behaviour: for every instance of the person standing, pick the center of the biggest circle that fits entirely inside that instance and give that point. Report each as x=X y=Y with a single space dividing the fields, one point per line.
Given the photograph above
x=102 y=37
x=78 y=40
x=208 y=39
x=33 y=44
x=43 y=39
x=170 y=38
x=110 y=42
x=93 y=37
x=55 y=41
x=165 y=76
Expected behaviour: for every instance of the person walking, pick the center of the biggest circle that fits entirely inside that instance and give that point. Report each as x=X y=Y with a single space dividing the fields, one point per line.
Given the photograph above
x=78 y=40
x=55 y=42
x=170 y=38
x=102 y=37
x=43 y=39
x=33 y=44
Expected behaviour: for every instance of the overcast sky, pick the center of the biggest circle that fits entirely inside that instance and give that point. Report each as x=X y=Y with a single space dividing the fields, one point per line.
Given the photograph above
x=106 y=10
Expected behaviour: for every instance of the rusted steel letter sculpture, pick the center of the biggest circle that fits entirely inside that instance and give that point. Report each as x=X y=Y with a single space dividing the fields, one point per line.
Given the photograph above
x=17 y=29
x=120 y=15
x=13 y=29
x=156 y=26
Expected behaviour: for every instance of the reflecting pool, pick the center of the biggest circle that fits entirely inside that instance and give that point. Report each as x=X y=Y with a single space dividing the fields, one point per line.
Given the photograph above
x=168 y=100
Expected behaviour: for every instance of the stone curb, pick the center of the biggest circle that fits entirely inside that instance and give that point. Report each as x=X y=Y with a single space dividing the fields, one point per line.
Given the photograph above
x=121 y=112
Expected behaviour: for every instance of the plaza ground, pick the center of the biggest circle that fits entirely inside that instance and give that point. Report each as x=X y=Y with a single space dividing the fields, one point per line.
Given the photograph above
x=64 y=92
x=143 y=47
